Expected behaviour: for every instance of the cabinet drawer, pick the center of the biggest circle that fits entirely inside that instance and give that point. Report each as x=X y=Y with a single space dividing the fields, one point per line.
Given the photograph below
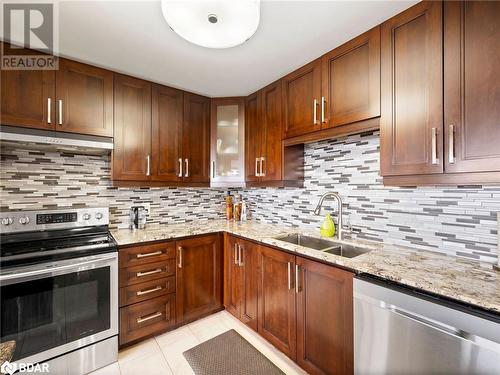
x=136 y=255
x=146 y=318
x=146 y=272
x=144 y=291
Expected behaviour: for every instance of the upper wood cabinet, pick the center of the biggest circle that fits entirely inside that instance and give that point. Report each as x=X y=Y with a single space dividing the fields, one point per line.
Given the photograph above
x=472 y=86
x=412 y=96
x=132 y=141
x=351 y=81
x=241 y=279
x=228 y=142
x=196 y=138
x=253 y=137
x=324 y=318
x=166 y=147
x=84 y=99
x=301 y=100
x=199 y=288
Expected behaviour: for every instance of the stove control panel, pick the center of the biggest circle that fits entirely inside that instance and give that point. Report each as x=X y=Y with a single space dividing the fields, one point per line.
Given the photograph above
x=25 y=221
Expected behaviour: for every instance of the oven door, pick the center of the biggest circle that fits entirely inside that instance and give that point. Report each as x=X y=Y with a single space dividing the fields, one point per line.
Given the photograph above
x=53 y=308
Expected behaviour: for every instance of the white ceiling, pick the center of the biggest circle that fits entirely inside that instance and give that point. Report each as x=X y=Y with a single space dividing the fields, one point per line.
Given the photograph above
x=132 y=37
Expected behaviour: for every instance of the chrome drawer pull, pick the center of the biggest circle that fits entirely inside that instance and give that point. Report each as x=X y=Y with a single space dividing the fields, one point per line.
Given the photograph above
x=323 y=109
x=49 y=110
x=180 y=167
x=180 y=257
x=60 y=113
x=435 y=159
x=289 y=276
x=451 y=144
x=140 y=274
x=315 y=111
x=142 y=292
x=145 y=255
x=240 y=255
x=146 y=318
x=297 y=275
x=236 y=261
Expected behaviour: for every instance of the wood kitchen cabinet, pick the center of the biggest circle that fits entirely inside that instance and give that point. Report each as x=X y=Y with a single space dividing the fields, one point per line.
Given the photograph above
x=199 y=288
x=240 y=279
x=472 y=86
x=276 y=303
x=268 y=162
x=301 y=96
x=167 y=122
x=324 y=318
x=132 y=128
x=412 y=91
x=84 y=99
x=196 y=138
x=351 y=81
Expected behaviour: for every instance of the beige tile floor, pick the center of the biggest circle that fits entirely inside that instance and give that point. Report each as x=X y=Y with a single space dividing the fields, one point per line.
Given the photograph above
x=163 y=354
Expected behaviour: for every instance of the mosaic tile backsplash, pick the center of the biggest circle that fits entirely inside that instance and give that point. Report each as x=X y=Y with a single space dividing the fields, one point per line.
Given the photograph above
x=453 y=220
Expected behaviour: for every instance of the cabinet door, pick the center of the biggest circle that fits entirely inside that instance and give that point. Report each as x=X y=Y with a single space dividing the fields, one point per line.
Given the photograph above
x=231 y=276
x=351 y=81
x=277 y=316
x=166 y=146
x=84 y=99
x=132 y=134
x=472 y=86
x=249 y=282
x=228 y=140
x=272 y=152
x=199 y=286
x=28 y=98
x=324 y=318
x=411 y=124
x=301 y=100
x=253 y=137
x=196 y=138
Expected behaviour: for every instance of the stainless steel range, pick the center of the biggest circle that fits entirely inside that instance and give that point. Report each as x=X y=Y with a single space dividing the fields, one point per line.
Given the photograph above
x=59 y=288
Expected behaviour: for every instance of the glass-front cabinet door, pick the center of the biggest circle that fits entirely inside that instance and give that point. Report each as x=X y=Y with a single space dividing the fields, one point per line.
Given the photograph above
x=228 y=140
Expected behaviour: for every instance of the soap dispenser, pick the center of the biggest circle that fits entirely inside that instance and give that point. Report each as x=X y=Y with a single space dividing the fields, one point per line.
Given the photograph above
x=327 y=229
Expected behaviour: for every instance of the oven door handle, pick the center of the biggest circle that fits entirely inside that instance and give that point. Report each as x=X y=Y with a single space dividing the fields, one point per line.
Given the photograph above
x=64 y=267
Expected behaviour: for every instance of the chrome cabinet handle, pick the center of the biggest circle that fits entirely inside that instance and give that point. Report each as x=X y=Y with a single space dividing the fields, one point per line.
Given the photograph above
x=240 y=256
x=142 y=292
x=49 y=110
x=435 y=159
x=148 y=169
x=187 y=167
x=262 y=174
x=213 y=169
x=148 y=317
x=236 y=261
x=257 y=167
x=297 y=272
x=145 y=255
x=141 y=274
x=180 y=167
x=180 y=257
x=289 y=276
x=451 y=144
x=60 y=112
x=323 y=109
x=315 y=106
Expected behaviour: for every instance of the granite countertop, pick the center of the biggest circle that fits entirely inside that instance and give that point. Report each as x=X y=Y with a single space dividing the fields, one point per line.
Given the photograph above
x=460 y=279
x=7 y=350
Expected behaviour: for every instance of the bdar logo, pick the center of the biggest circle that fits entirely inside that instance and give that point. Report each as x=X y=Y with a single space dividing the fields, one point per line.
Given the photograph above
x=8 y=368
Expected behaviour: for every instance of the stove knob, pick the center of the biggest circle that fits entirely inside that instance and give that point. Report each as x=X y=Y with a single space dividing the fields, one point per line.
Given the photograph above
x=86 y=216
x=7 y=221
x=24 y=220
x=98 y=216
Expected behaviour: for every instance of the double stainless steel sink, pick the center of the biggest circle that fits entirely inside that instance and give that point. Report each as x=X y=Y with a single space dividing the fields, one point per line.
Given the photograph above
x=327 y=246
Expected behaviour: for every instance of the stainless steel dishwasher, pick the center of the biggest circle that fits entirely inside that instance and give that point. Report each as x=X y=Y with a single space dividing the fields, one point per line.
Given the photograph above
x=398 y=330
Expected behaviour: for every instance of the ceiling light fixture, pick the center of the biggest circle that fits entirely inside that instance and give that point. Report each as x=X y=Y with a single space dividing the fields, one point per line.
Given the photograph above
x=213 y=24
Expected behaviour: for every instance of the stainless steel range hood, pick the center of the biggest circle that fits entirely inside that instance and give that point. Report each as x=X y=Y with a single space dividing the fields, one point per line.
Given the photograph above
x=11 y=135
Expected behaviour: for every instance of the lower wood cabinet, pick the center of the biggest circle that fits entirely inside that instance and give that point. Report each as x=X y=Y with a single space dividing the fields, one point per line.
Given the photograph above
x=146 y=318
x=240 y=279
x=199 y=282
x=277 y=309
x=324 y=318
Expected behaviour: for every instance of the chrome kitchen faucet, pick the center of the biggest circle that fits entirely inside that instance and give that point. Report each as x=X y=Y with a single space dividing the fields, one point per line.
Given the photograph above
x=339 y=200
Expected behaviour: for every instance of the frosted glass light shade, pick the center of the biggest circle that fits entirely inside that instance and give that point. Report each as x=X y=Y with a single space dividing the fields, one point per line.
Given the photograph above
x=213 y=24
